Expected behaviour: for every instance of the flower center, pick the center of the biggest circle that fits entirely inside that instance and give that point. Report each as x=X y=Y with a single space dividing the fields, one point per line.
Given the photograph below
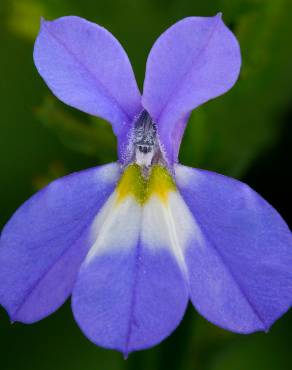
x=146 y=146
x=133 y=183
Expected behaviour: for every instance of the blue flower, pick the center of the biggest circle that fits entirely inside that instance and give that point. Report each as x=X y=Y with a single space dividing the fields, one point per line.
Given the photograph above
x=133 y=241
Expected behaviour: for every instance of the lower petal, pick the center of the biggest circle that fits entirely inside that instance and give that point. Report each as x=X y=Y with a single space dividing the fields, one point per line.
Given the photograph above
x=240 y=268
x=46 y=240
x=129 y=294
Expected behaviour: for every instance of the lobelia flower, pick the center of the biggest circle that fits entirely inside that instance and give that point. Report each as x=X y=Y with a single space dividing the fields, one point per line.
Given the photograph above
x=133 y=241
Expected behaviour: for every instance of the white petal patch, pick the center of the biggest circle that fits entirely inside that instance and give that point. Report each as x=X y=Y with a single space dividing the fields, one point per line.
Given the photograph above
x=158 y=224
x=110 y=173
x=116 y=227
x=169 y=225
x=184 y=175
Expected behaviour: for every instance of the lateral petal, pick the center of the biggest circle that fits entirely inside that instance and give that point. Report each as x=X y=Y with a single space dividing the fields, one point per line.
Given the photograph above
x=240 y=270
x=46 y=240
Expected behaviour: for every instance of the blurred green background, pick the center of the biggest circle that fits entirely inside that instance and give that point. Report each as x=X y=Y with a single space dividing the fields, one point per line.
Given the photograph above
x=245 y=134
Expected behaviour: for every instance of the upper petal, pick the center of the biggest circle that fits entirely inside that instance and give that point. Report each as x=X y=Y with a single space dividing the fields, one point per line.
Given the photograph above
x=87 y=68
x=45 y=241
x=240 y=267
x=193 y=61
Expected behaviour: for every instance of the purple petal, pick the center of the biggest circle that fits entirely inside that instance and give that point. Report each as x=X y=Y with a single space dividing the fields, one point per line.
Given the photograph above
x=129 y=295
x=87 y=68
x=45 y=242
x=130 y=301
x=192 y=62
x=240 y=267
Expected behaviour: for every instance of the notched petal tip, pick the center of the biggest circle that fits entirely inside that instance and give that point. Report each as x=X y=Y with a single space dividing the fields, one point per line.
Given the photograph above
x=48 y=22
x=44 y=23
x=5 y=307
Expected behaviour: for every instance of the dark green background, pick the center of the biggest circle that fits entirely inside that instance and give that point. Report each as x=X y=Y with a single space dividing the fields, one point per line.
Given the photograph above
x=245 y=133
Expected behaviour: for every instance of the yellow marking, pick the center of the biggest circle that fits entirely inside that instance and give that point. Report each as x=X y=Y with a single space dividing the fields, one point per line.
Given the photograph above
x=160 y=183
x=133 y=183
